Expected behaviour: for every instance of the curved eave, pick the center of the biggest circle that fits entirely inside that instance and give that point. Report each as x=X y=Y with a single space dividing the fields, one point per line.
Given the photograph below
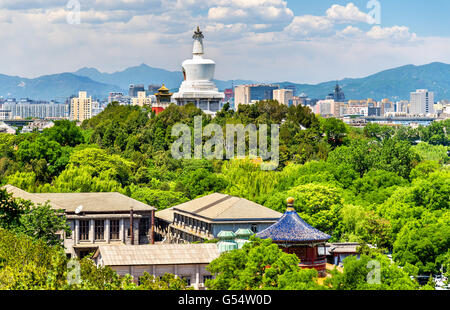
x=296 y=240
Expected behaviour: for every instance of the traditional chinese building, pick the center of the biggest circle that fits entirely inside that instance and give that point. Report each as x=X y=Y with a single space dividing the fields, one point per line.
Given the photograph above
x=294 y=236
x=163 y=97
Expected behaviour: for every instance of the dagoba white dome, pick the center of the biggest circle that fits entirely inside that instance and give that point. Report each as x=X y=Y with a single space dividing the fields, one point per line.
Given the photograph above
x=198 y=86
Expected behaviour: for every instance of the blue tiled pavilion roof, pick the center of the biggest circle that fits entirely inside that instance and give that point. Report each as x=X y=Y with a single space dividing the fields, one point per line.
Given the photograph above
x=292 y=228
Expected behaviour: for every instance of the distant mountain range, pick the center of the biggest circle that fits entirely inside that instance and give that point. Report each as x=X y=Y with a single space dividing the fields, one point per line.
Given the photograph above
x=395 y=84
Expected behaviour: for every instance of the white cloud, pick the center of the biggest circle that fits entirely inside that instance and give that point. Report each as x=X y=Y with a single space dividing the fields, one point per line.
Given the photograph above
x=260 y=15
x=351 y=31
x=309 y=26
x=396 y=34
x=346 y=14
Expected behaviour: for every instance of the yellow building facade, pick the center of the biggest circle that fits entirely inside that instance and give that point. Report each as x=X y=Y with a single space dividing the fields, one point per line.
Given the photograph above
x=142 y=99
x=81 y=107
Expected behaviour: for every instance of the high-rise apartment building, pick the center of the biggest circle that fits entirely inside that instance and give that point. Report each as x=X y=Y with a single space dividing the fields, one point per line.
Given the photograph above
x=247 y=94
x=134 y=89
x=283 y=96
x=81 y=107
x=421 y=102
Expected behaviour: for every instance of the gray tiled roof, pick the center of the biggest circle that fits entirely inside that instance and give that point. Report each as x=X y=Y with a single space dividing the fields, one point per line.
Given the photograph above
x=19 y=193
x=157 y=254
x=218 y=207
x=91 y=202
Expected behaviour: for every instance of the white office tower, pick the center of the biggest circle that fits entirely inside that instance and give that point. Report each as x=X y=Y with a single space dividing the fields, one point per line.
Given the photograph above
x=198 y=86
x=421 y=102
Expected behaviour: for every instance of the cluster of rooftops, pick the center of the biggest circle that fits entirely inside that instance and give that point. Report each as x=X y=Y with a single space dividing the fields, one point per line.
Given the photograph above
x=169 y=236
x=217 y=209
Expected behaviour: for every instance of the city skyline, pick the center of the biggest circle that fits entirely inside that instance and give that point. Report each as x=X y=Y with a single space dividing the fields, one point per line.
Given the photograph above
x=298 y=41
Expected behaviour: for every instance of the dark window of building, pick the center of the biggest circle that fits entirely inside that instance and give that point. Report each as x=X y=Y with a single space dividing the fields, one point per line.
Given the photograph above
x=144 y=226
x=84 y=229
x=254 y=228
x=84 y=253
x=114 y=230
x=99 y=229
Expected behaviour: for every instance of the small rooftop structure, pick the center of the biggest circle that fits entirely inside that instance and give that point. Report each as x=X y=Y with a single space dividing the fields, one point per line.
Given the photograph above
x=226 y=235
x=244 y=233
x=233 y=240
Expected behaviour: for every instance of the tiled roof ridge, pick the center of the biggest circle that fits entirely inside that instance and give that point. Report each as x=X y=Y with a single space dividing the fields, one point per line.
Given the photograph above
x=212 y=204
x=239 y=199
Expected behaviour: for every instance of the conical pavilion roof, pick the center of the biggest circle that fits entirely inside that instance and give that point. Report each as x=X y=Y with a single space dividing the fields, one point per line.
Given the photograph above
x=163 y=88
x=292 y=228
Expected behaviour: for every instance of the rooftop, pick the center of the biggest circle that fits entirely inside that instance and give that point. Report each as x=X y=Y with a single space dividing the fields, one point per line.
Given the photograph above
x=220 y=207
x=91 y=202
x=157 y=254
x=292 y=228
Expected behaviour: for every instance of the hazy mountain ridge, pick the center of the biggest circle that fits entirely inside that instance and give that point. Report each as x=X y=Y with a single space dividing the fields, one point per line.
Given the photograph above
x=56 y=86
x=394 y=83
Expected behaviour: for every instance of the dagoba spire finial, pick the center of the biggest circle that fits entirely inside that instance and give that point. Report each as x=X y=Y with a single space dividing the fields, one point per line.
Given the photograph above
x=198 y=42
x=198 y=34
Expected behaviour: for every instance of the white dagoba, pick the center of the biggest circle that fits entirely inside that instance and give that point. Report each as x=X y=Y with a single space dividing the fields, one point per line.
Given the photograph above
x=198 y=86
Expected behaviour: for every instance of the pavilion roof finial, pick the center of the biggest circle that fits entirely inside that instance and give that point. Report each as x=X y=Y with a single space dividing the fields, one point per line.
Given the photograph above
x=290 y=204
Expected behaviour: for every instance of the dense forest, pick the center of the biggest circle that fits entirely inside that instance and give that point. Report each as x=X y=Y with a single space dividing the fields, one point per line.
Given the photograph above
x=381 y=185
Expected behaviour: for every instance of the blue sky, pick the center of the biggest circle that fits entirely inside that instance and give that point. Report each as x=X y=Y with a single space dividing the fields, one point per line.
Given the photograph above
x=295 y=40
x=426 y=18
